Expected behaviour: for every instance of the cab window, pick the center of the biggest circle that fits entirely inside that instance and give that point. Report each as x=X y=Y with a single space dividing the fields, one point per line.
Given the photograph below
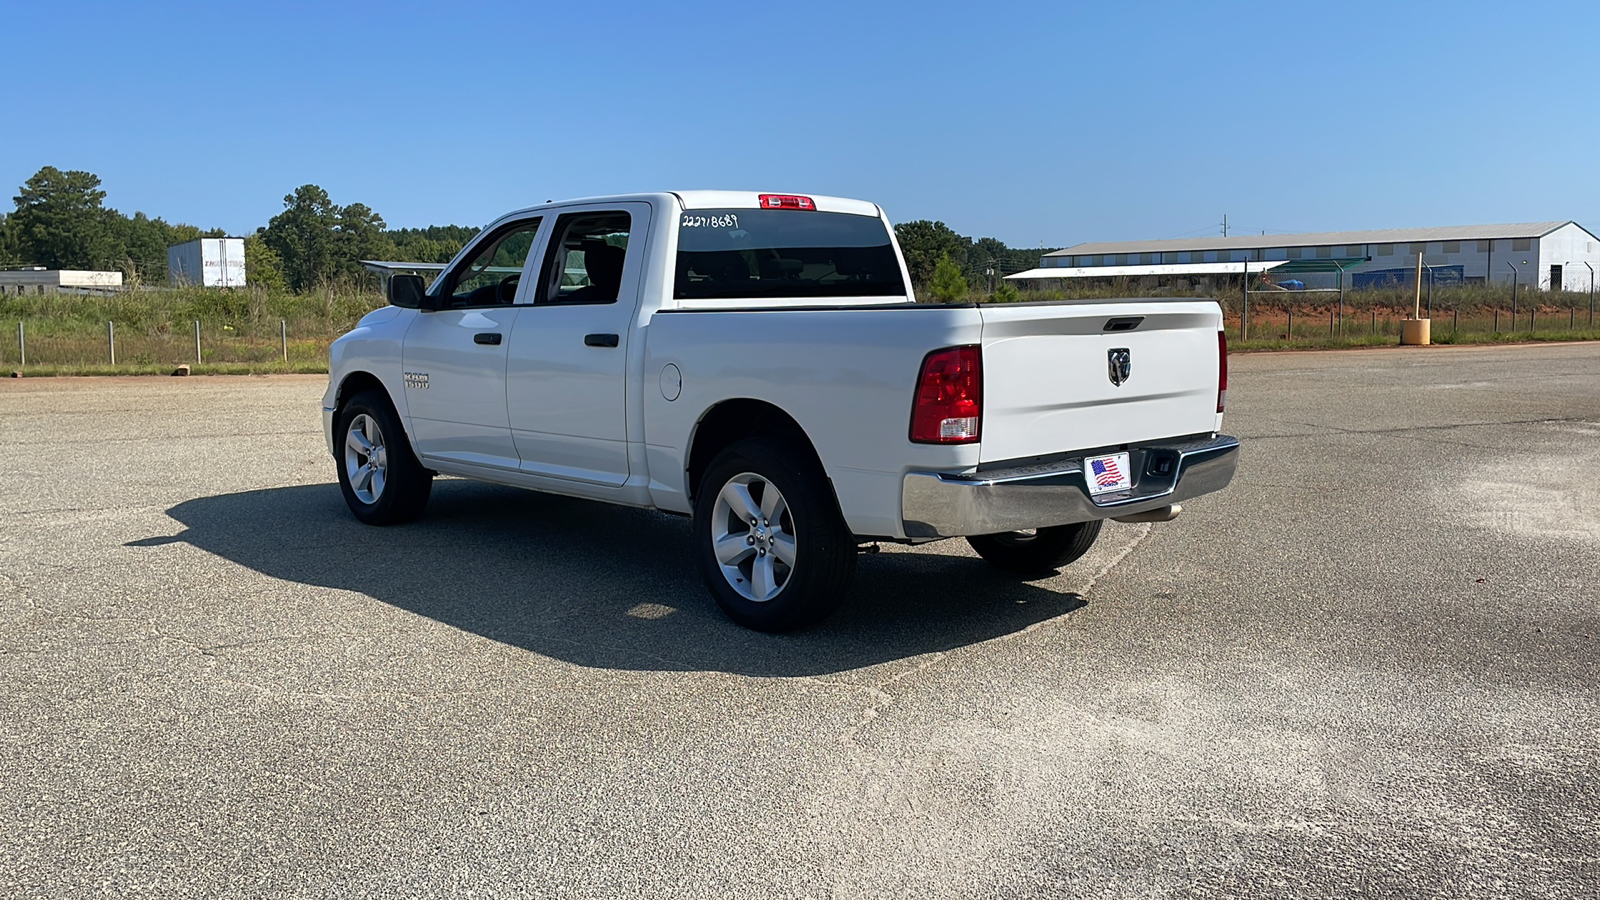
x=584 y=262
x=769 y=254
x=490 y=276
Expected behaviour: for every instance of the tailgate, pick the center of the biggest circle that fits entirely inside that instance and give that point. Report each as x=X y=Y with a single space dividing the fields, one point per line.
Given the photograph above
x=1047 y=384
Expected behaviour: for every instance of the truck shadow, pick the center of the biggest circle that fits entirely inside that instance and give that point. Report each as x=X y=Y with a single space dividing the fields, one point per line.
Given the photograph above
x=598 y=585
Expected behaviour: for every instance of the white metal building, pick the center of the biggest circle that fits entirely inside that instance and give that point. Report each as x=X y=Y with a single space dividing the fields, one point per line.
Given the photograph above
x=39 y=280
x=1546 y=255
x=210 y=262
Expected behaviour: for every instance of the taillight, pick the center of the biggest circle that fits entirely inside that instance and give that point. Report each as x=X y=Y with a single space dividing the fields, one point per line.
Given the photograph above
x=1222 y=370
x=949 y=407
x=786 y=201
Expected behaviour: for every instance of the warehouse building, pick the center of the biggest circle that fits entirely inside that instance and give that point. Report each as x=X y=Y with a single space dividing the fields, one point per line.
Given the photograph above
x=1545 y=255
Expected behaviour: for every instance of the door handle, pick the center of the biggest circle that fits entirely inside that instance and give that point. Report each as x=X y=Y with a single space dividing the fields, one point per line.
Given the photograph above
x=486 y=337
x=600 y=340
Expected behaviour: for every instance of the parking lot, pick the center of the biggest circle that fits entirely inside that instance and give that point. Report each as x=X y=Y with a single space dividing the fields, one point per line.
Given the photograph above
x=1368 y=668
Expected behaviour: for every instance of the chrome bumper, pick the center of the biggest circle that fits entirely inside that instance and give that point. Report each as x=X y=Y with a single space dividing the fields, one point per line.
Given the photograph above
x=937 y=505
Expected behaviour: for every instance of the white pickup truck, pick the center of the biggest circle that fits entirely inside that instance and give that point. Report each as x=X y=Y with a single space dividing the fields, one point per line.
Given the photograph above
x=758 y=362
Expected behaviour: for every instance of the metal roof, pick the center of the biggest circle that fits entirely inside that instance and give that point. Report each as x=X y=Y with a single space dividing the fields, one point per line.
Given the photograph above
x=1323 y=265
x=1215 y=268
x=1325 y=238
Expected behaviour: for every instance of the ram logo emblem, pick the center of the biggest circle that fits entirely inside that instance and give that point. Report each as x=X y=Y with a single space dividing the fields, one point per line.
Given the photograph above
x=1119 y=364
x=418 y=380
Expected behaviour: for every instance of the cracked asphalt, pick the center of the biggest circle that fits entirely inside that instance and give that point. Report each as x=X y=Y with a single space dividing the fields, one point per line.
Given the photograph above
x=1369 y=668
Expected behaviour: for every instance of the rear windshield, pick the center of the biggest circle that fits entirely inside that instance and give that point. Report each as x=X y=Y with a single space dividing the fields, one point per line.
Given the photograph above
x=773 y=253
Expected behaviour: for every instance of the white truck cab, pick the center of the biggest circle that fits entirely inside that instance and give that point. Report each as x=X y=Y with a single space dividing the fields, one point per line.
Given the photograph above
x=758 y=361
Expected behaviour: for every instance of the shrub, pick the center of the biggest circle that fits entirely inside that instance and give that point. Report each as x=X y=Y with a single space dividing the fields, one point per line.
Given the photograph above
x=947 y=285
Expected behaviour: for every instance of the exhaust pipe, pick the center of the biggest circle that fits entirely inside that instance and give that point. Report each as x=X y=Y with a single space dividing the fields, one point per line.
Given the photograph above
x=1160 y=514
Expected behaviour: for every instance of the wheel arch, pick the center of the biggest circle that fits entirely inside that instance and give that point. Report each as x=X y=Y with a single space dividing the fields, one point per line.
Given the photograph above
x=731 y=421
x=358 y=381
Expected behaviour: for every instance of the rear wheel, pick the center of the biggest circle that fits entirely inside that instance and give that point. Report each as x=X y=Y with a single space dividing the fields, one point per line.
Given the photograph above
x=382 y=482
x=772 y=547
x=1039 y=551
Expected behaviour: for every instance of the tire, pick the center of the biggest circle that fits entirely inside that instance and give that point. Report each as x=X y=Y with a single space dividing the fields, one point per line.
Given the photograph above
x=1043 y=551
x=794 y=566
x=382 y=482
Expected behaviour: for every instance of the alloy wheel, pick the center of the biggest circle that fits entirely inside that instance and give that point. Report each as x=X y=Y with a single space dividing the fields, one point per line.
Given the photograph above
x=366 y=459
x=752 y=535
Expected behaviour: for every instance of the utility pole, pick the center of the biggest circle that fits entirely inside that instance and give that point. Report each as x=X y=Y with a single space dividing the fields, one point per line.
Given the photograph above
x=1224 y=224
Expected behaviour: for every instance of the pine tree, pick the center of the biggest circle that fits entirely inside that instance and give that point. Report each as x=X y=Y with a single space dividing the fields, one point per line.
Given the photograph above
x=61 y=224
x=947 y=285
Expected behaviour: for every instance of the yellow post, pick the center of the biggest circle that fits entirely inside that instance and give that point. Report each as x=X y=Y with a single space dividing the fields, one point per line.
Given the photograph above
x=1416 y=330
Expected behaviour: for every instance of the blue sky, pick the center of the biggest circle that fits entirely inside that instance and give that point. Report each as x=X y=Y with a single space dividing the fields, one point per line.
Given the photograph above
x=1037 y=123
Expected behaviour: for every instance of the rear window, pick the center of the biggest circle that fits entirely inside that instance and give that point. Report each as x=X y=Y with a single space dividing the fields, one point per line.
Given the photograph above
x=783 y=253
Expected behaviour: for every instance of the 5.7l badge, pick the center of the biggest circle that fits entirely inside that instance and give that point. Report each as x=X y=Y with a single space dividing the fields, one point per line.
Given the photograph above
x=418 y=380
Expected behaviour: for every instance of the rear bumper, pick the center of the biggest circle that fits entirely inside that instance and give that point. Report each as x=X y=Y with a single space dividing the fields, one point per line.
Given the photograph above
x=937 y=505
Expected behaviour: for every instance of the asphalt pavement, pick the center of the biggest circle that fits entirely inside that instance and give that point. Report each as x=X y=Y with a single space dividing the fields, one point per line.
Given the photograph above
x=1368 y=668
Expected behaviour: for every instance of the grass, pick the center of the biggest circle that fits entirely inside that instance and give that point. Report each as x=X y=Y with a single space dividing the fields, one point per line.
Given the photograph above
x=240 y=329
x=330 y=305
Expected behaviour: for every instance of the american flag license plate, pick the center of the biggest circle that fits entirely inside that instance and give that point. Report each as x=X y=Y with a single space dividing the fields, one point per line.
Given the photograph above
x=1107 y=473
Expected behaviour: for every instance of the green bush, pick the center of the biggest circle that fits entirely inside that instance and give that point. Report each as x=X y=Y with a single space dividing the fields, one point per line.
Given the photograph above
x=947 y=285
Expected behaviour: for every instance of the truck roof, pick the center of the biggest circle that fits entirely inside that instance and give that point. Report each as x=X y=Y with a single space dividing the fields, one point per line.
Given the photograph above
x=716 y=200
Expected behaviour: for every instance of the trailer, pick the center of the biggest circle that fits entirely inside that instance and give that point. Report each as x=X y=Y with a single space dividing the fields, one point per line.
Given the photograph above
x=209 y=262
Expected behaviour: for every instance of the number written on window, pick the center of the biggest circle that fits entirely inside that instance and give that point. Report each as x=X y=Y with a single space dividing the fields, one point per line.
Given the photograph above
x=724 y=221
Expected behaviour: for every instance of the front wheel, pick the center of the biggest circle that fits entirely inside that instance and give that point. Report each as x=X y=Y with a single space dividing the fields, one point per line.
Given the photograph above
x=772 y=547
x=1037 y=552
x=382 y=481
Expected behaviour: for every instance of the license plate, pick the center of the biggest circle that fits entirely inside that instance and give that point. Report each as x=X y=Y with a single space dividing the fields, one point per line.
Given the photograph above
x=1108 y=473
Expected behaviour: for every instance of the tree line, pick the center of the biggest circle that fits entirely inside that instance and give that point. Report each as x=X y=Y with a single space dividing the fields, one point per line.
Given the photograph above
x=61 y=222
x=950 y=266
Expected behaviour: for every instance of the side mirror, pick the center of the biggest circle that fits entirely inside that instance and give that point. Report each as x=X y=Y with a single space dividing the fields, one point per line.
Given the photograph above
x=407 y=291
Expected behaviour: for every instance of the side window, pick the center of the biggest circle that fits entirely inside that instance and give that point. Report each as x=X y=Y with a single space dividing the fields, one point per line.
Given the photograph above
x=584 y=262
x=490 y=276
